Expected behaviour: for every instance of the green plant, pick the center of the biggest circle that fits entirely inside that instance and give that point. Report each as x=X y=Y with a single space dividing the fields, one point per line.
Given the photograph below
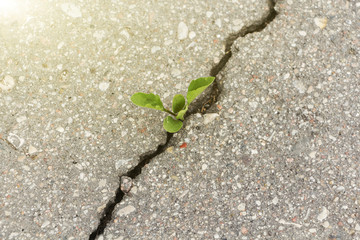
x=173 y=123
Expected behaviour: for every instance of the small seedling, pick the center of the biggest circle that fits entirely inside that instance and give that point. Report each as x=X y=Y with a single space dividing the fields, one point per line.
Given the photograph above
x=173 y=123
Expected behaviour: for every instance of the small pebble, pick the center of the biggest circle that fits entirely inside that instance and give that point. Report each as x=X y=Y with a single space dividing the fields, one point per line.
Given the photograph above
x=126 y=184
x=357 y=227
x=208 y=118
x=103 y=86
x=204 y=167
x=242 y=207
x=175 y=72
x=126 y=210
x=102 y=183
x=218 y=23
x=155 y=49
x=15 y=140
x=324 y=213
x=302 y=33
x=192 y=35
x=299 y=86
x=60 y=129
x=326 y=224
x=21 y=119
x=321 y=22
x=32 y=149
x=244 y=230
x=8 y=83
x=182 y=32
x=170 y=149
x=71 y=10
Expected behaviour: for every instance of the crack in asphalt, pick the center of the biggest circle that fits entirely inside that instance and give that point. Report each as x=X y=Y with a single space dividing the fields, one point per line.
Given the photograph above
x=144 y=159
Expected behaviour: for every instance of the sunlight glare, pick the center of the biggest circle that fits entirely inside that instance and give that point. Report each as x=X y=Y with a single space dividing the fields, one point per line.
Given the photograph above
x=9 y=7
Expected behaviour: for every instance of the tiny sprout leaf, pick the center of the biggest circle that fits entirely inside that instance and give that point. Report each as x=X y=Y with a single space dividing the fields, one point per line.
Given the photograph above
x=197 y=86
x=171 y=125
x=178 y=103
x=147 y=100
x=181 y=114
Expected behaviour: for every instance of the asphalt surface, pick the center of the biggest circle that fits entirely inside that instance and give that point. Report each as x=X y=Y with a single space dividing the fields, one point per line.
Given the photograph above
x=275 y=157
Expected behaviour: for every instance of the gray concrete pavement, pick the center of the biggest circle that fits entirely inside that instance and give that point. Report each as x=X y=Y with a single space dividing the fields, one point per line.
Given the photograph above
x=281 y=161
x=277 y=158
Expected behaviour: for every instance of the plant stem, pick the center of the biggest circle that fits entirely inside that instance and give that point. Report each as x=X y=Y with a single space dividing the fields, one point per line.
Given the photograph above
x=170 y=112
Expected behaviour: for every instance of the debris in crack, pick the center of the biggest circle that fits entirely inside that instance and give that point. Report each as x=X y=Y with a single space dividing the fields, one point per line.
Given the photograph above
x=257 y=26
x=121 y=191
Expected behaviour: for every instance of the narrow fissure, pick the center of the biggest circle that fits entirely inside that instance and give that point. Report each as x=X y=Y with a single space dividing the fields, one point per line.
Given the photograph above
x=144 y=159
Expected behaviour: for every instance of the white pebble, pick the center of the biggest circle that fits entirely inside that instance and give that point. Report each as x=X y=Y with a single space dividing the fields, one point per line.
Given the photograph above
x=209 y=14
x=324 y=213
x=32 y=149
x=253 y=105
x=326 y=224
x=357 y=227
x=60 y=45
x=182 y=31
x=302 y=33
x=321 y=22
x=168 y=42
x=15 y=140
x=275 y=201
x=102 y=183
x=175 y=72
x=204 y=167
x=103 y=86
x=45 y=224
x=242 y=207
x=155 y=49
x=21 y=119
x=312 y=230
x=60 y=129
x=121 y=162
x=71 y=10
x=286 y=76
x=299 y=86
x=192 y=35
x=26 y=168
x=126 y=210
x=125 y=33
x=8 y=84
x=209 y=117
x=218 y=23
x=312 y=154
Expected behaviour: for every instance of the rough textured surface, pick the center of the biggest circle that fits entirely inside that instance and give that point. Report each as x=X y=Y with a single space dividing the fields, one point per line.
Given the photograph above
x=282 y=159
x=279 y=161
x=67 y=126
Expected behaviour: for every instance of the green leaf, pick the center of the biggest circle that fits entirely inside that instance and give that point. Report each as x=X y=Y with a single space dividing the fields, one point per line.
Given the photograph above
x=147 y=100
x=181 y=113
x=178 y=103
x=197 y=86
x=171 y=125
